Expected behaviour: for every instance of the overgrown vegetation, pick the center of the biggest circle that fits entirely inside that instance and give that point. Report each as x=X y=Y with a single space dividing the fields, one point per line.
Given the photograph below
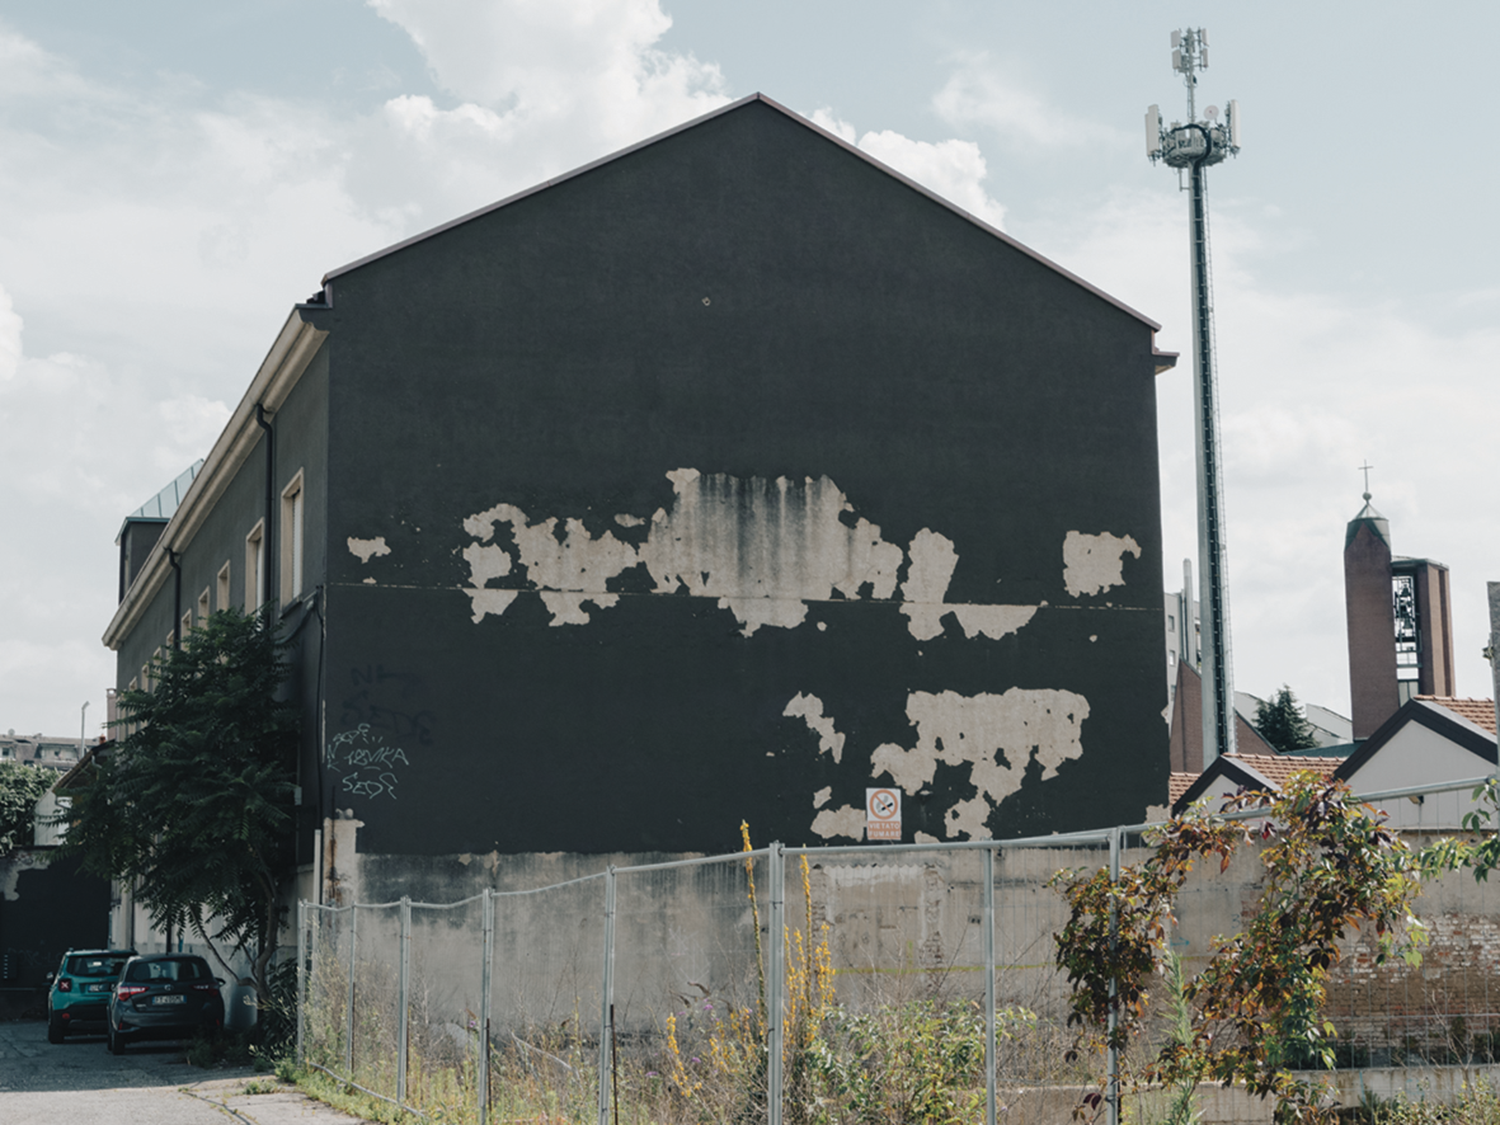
x=909 y=1052
x=1253 y=1016
x=1328 y=864
x=21 y=786
x=193 y=805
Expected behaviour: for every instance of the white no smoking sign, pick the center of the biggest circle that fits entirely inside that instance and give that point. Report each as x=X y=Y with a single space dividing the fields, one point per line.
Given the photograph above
x=883 y=814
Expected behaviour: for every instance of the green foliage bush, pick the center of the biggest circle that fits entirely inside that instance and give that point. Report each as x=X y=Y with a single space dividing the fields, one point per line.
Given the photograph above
x=194 y=802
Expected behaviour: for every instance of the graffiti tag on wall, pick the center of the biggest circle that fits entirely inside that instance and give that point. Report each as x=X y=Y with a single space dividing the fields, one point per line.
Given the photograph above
x=364 y=763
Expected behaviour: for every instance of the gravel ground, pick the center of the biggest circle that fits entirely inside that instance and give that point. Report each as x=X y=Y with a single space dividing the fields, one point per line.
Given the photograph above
x=80 y=1082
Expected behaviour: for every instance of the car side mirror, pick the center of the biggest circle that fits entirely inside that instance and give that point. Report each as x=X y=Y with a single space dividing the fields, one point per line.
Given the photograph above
x=219 y=981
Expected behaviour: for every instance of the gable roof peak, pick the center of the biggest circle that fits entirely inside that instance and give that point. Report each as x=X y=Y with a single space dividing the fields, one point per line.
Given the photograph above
x=1167 y=359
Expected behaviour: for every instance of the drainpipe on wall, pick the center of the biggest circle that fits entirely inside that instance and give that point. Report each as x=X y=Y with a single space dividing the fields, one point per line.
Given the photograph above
x=176 y=560
x=266 y=537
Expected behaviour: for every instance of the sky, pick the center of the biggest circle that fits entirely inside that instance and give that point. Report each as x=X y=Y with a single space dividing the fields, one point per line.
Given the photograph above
x=174 y=176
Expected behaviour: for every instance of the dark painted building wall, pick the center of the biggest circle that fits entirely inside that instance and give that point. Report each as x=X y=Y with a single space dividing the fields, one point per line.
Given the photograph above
x=707 y=361
x=723 y=480
x=47 y=906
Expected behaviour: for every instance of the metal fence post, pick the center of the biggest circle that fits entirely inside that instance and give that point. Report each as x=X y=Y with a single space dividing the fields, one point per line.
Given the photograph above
x=484 y=1007
x=775 y=982
x=349 y=1002
x=403 y=981
x=301 y=981
x=1114 y=1012
x=989 y=986
x=607 y=1000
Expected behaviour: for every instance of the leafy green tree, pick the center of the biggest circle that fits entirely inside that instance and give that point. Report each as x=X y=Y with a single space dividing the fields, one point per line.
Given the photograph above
x=194 y=803
x=1279 y=720
x=21 y=786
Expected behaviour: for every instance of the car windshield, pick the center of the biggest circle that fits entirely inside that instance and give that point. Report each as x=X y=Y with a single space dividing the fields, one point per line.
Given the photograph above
x=169 y=970
x=95 y=966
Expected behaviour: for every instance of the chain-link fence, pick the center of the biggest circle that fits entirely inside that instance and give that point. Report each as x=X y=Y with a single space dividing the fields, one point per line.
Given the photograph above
x=894 y=982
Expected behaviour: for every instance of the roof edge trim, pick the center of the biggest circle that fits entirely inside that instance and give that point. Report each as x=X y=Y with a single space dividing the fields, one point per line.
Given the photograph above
x=709 y=116
x=293 y=350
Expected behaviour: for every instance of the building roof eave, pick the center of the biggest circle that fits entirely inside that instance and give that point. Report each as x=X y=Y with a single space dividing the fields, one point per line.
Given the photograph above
x=293 y=350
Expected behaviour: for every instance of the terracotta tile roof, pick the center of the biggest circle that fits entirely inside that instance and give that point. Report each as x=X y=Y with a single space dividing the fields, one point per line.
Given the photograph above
x=1480 y=712
x=1278 y=769
x=1177 y=785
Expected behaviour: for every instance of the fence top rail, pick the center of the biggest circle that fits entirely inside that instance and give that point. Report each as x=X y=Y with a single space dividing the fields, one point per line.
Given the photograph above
x=698 y=861
x=1060 y=839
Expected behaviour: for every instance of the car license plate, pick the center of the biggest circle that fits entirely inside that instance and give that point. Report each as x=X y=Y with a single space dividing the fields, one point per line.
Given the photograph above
x=168 y=999
x=100 y=987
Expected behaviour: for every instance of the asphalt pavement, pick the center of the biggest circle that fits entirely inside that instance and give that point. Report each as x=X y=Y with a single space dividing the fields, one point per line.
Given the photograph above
x=80 y=1082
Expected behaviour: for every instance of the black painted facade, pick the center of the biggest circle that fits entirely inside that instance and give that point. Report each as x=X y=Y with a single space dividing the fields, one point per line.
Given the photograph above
x=816 y=447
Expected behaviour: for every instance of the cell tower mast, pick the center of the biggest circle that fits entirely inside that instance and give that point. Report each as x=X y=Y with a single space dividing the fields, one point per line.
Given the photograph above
x=1193 y=146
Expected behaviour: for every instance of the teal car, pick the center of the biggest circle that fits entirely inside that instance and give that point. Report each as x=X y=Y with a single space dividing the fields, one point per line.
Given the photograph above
x=81 y=989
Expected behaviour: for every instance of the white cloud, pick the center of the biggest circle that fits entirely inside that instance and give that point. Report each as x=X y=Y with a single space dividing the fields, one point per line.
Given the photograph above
x=977 y=94
x=954 y=169
x=825 y=118
x=545 y=85
x=168 y=229
x=10 y=338
x=1311 y=383
x=85 y=444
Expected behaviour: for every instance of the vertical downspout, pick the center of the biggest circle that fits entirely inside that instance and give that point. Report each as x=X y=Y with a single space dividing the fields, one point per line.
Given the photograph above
x=176 y=560
x=266 y=536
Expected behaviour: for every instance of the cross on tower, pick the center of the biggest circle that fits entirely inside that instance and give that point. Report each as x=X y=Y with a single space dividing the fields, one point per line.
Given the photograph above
x=1366 y=467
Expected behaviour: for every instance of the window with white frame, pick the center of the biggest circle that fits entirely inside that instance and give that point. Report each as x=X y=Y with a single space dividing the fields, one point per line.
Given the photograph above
x=203 y=607
x=223 y=602
x=255 y=568
x=291 y=540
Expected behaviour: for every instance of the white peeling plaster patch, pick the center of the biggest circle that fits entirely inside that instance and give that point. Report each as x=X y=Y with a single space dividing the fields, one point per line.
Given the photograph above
x=567 y=609
x=490 y=601
x=925 y=591
x=820 y=798
x=925 y=838
x=762 y=548
x=994 y=621
x=369 y=581
x=975 y=730
x=366 y=549
x=486 y=563
x=933 y=561
x=809 y=708
x=1094 y=563
x=846 y=820
x=747 y=542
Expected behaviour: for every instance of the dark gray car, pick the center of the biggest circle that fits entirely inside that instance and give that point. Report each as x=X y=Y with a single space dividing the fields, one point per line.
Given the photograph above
x=164 y=996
